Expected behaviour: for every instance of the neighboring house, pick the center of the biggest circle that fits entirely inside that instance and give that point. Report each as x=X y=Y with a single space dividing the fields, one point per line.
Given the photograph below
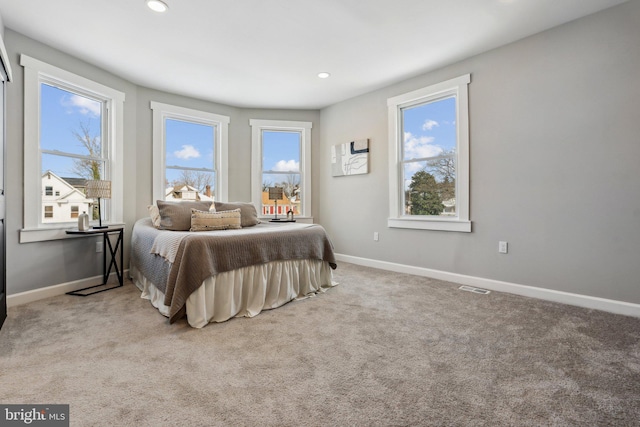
x=187 y=192
x=269 y=208
x=62 y=201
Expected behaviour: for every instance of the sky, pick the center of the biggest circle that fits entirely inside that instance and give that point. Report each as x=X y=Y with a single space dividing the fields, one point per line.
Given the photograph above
x=429 y=130
x=63 y=113
x=280 y=153
x=188 y=145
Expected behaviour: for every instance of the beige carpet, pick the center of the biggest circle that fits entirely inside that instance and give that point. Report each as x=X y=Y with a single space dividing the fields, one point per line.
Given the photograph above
x=380 y=349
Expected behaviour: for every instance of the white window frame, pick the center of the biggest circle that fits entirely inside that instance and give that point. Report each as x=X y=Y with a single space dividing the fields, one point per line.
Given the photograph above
x=457 y=87
x=304 y=128
x=220 y=123
x=35 y=73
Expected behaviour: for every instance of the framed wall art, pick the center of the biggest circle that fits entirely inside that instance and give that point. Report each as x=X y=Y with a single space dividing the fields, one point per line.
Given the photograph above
x=351 y=158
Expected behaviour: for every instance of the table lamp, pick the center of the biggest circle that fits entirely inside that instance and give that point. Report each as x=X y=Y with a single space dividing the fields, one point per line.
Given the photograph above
x=99 y=189
x=275 y=194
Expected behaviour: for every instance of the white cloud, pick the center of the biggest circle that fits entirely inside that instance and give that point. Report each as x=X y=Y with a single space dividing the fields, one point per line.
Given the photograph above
x=287 y=165
x=429 y=124
x=84 y=106
x=419 y=147
x=187 y=152
x=413 y=167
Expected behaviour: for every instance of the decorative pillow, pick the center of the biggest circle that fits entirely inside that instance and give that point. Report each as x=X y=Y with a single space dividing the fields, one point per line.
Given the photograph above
x=220 y=220
x=176 y=216
x=154 y=213
x=248 y=212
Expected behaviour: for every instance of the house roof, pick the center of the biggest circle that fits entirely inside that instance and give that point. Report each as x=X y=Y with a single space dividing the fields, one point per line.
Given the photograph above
x=76 y=182
x=175 y=192
x=71 y=193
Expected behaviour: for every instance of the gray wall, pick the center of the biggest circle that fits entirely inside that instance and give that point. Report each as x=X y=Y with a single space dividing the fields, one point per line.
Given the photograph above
x=37 y=265
x=554 y=138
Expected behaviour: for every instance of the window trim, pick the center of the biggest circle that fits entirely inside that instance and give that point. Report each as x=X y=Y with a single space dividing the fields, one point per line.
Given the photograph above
x=163 y=111
x=36 y=72
x=459 y=87
x=257 y=126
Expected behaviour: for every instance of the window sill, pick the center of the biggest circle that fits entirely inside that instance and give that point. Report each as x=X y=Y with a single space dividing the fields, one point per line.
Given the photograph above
x=301 y=219
x=430 y=224
x=42 y=234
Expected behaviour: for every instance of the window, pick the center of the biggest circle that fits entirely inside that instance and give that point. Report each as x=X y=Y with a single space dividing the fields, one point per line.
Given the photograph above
x=429 y=152
x=74 y=127
x=71 y=148
x=74 y=211
x=281 y=157
x=189 y=154
x=281 y=168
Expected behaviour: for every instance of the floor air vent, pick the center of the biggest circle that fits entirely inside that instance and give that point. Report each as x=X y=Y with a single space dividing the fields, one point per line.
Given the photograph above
x=474 y=290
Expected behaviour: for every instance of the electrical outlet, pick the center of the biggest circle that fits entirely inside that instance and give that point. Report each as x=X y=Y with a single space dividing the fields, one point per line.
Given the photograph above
x=503 y=247
x=376 y=236
x=98 y=247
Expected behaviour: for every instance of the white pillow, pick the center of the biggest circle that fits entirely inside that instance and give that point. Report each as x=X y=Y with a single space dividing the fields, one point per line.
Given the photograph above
x=154 y=212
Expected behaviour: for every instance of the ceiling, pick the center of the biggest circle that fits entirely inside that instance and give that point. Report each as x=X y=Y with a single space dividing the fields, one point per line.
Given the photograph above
x=267 y=53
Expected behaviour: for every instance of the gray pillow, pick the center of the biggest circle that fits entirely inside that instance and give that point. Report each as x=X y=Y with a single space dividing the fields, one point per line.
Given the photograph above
x=248 y=213
x=176 y=216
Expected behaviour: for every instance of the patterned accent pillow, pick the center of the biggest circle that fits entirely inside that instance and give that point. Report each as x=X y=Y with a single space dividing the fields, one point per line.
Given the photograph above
x=247 y=211
x=154 y=213
x=207 y=221
x=176 y=216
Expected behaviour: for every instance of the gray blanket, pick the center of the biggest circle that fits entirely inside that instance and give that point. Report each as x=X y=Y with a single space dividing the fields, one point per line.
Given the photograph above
x=205 y=254
x=154 y=268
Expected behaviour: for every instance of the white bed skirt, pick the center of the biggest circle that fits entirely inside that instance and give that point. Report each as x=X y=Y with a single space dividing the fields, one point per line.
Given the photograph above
x=245 y=292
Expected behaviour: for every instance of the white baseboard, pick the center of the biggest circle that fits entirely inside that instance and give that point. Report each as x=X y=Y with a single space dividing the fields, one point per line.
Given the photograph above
x=612 y=306
x=61 y=289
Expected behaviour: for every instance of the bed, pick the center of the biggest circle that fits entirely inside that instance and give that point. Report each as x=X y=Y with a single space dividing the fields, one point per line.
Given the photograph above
x=212 y=276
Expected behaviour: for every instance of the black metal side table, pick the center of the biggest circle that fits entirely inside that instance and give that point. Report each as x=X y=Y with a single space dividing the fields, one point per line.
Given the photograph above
x=113 y=250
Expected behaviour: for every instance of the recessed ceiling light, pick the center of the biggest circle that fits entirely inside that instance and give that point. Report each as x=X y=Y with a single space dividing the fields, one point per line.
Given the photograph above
x=324 y=75
x=157 y=5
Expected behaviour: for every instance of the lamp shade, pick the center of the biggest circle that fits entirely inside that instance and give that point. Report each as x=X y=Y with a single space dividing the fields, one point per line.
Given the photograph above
x=98 y=189
x=275 y=193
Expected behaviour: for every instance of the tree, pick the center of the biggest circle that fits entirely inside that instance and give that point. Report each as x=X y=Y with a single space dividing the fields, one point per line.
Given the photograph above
x=87 y=168
x=424 y=195
x=290 y=184
x=444 y=169
x=196 y=179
